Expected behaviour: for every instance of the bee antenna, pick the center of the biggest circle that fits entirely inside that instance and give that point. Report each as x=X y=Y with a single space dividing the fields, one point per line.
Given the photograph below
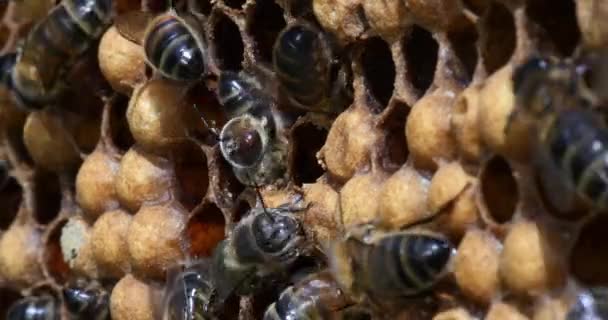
x=257 y=191
x=211 y=128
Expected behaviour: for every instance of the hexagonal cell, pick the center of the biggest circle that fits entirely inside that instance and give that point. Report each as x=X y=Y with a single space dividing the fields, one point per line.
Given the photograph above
x=205 y=229
x=499 y=189
x=558 y=21
x=53 y=261
x=589 y=257
x=192 y=175
x=420 y=49
x=307 y=140
x=378 y=69
x=265 y=24
x=396 y=150
x=498 y=40
x=200 y=6
x=229 y=48
x=464 y=43
x=48 y=196
x=119 y=127
x=11 y=196
x=7 y=298
x=236 y=4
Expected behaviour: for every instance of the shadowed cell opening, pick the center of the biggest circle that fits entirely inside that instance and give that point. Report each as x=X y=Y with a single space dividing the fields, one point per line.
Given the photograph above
x=379 y=70
x=241 y=210
x=7 y=298
x=499 y=189
x=558 y=21
x=395 y=142
x=119 y=127
x=15 y=139
x=4 y=30
x=589 y=258
x=475 y=6
x=499 y=40
x=47 y=192
x=420 y=51
x=205 y=229
x=11 y=196
x=265 y=26
x=57 y=268
x=307 y=140
x=236 y=4
x=229 y=44
x=200 y=6
x=192 y=175
x=464 y=44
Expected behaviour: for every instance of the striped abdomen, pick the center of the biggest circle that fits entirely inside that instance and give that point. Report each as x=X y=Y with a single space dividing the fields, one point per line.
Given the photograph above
x=578 y=146
x=175 y=48
x=302 y=65
x=238 y=93
x=34 y=308
x=188 y=298
x=88 y=303
x=54 y=43
x=403 y=264
x=315 y=297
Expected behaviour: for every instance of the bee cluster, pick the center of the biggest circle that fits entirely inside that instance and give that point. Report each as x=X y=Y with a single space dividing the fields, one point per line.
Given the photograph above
x=303 y=159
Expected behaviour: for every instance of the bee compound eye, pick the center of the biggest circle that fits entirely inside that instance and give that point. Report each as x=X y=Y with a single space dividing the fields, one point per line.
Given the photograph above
x=242 y=143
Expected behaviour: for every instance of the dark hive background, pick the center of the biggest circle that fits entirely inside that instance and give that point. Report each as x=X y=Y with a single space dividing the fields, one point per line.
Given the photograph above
x=423 y=137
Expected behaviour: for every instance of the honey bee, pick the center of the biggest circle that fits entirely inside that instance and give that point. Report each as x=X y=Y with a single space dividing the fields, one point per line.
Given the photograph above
x=262 y=245
x=308 y=74
x=591 y=304
x=188 y=293
x=87 y=301
x=384 y=267
x=317 y=296
x=175 y=47
x=250 y=140
x=53 y=45
x=573 y=139
x=7 y=62
x=44 y=307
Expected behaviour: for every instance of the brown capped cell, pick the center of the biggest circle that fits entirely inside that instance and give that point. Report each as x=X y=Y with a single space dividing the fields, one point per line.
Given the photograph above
x=462 y=214
x=447 y=183
x=476 y=266
x=156 y=239
x=532 y=260
x=503 y=311
x=428 y=129
x=159 y=115
x=387 y=18
x=77 y=248
x=20 y=248
x=592 y=18
x=49 y=143
x=321 y=218
x=453 y=314
x=133 y=299
x=403 y=198
x=340 y=17
x=349 y=143
x=95 y=188
x=437 y=15
x=109 y=242
x=121 y=61
x=464 y=124
x=144 y=178
x=499 y=129
x=359 y=199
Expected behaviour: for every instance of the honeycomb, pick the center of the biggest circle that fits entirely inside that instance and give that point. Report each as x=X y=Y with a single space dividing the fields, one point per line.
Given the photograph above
x=112 y=175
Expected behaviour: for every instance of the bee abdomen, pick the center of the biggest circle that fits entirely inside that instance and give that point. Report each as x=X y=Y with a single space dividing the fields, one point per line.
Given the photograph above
x=90 y=304
x=237 y=94
x=408 y=263
x=578 y=144
x=34 y=308
x=301 y=66
x=173 y=49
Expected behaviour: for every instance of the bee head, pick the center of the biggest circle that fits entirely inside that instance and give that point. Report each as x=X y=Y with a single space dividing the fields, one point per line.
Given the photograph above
x=243 y=141
x=275 y=232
